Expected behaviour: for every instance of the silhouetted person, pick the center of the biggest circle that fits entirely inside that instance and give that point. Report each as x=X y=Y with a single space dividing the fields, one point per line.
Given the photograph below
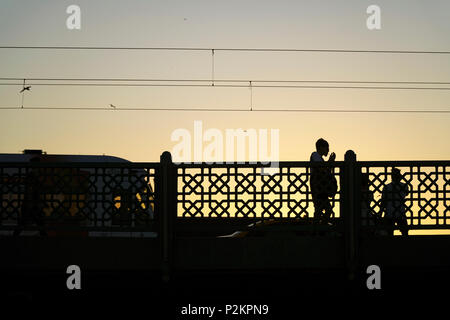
x=323 y=184
x=393 y=204
x=33 y=204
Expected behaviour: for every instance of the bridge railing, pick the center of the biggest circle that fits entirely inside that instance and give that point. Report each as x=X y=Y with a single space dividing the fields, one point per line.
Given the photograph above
x=82 y=198
x=420 y=200
x=222 y=199
x=253 y=197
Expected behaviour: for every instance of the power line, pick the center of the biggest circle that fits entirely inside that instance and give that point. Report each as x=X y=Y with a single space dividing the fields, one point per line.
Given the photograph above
x=229 y=86
x=224 y=49
x=221 y=80
x=229 y=110
x=236 y=83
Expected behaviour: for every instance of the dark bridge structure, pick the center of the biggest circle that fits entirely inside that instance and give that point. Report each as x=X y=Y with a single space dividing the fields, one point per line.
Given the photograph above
x=232 y=227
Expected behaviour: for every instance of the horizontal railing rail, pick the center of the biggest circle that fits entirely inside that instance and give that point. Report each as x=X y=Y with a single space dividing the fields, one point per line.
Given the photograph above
x=249 y=164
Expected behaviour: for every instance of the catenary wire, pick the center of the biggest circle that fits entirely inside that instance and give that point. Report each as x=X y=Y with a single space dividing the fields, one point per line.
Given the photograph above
x=225 y=110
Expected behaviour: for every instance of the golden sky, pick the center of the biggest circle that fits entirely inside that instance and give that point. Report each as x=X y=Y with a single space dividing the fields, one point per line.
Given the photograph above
x=144 y=135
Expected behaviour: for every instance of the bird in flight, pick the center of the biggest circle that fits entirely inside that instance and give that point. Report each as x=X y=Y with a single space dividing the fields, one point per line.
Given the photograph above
x=28 y=88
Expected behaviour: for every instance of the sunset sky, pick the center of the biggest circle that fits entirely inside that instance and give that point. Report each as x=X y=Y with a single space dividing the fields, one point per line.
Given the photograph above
x=144 y=135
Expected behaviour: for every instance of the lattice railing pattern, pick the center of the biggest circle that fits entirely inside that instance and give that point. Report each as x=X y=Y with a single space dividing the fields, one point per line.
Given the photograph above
x=122 y=196
x=77 y=195
x=243 y=192
x=426 y=202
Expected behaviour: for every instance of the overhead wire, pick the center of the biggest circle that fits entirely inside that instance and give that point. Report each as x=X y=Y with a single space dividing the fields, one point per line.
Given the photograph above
x=118 y=108
x=250 y=85
x=225 y=49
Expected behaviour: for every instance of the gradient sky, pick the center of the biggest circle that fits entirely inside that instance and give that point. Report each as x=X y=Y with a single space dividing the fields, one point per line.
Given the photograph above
x=144 y=135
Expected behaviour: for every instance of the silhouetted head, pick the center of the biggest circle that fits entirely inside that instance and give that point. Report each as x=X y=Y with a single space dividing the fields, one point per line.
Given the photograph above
x=396 y=175
x=322 y=147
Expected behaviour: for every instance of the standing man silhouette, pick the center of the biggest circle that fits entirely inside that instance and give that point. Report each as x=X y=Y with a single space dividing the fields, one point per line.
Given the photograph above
x=322 y=182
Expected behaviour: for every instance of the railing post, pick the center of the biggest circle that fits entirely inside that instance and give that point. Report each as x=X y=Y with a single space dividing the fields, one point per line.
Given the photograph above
x=351 y=205
x=168 y=207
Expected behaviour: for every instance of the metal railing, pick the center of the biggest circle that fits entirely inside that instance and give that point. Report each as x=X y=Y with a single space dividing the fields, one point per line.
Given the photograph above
x=254 y=197
x=420 y=199
x=77 y=197
x=219 y=199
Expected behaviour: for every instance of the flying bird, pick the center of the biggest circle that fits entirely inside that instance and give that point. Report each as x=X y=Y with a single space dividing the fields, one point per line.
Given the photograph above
x=25 y=89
